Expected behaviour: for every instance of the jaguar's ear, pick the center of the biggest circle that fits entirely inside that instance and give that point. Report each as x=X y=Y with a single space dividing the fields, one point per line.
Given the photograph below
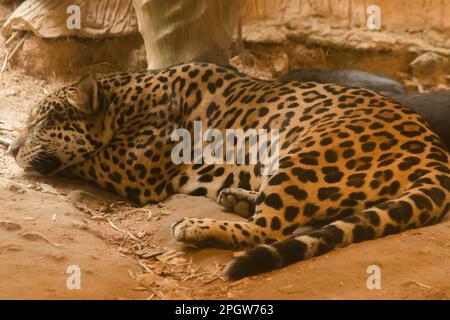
x=86 y=96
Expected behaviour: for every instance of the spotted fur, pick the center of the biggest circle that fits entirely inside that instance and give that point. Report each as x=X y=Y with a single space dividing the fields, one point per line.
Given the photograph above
x=354 y=164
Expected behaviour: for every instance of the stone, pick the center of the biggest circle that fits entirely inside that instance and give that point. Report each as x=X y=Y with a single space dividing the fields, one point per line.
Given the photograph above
x=429 y=67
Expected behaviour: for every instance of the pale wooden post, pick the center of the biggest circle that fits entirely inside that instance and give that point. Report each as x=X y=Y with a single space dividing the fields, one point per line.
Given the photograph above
x=176 y=31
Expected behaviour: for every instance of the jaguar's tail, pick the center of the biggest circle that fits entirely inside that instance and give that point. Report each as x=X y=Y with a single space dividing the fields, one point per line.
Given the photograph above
x=425 y=203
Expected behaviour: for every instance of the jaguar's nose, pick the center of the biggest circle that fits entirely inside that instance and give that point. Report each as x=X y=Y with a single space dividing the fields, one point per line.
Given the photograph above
x=13 y=150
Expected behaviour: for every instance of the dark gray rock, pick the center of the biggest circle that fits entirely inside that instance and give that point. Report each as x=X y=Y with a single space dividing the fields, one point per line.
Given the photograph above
x=434 y=107
x=348 y=78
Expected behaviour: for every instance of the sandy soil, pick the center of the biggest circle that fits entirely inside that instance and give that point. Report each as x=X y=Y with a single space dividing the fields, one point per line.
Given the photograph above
x=47 y=225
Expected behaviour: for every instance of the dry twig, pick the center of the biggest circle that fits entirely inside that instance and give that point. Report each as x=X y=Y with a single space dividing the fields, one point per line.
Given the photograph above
x=129 y=234
x=10 y=55
x=420 y=284
x=33 y=236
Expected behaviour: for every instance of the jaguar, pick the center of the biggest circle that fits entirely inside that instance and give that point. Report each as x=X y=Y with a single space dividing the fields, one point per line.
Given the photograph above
x=353 y=165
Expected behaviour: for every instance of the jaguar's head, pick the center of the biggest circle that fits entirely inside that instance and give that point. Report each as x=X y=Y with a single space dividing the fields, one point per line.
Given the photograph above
x=63 y=129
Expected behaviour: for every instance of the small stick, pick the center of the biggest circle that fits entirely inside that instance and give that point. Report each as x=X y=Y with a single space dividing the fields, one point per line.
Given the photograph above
x=85 y=209
x=19 y=44
x=131 y=274
x=5 y=62
x=420 y=284
x=9 y=56
x=418 y=85
x=35 y=235
x=10 y=39
x=159 y=294
x=205 y=282
x=129 y=234
x=143 y=265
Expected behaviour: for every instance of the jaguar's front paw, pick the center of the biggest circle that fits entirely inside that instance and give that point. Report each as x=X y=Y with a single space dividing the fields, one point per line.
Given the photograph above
x=186 y=231
x=201 y=232
x=180 y=229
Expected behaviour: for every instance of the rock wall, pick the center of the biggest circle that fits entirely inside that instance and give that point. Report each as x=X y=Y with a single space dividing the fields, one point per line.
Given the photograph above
x=413 y=43
x=397 y=15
